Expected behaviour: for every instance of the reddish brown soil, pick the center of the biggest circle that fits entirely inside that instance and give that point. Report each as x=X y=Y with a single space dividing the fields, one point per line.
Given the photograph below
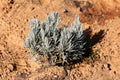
x=101 y=17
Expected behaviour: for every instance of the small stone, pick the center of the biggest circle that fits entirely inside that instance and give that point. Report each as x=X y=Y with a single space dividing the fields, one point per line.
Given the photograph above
x=10 y=67
x=55 y=76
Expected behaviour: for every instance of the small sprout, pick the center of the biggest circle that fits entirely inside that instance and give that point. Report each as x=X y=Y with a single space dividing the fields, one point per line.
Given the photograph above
x=61 y=46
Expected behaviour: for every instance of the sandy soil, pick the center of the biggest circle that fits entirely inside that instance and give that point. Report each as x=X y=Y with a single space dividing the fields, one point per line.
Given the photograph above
x=100 y=17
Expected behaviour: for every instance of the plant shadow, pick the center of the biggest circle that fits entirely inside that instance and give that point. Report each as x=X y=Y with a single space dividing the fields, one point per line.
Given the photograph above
x=96 y=38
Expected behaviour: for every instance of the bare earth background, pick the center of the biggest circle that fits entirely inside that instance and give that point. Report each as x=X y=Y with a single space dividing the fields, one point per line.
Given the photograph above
x=102 y=17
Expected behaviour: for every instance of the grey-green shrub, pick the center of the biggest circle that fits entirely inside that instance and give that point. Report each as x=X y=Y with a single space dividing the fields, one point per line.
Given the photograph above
x=59 y=45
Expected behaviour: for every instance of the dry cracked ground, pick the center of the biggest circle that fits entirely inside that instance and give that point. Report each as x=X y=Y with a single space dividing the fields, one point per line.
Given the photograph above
x=100 y=17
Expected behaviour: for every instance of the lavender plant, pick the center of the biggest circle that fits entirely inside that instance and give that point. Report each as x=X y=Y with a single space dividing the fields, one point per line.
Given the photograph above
x=59 y=45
